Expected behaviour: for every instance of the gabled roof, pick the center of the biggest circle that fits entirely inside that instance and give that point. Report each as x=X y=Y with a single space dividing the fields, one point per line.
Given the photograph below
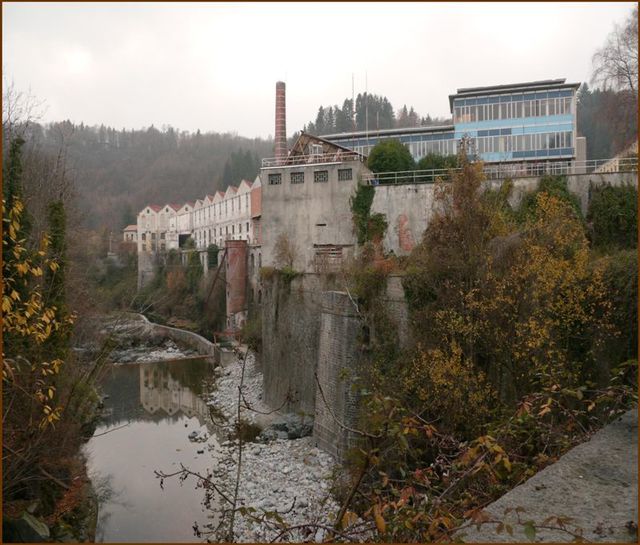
x=131 y=228
x=154 y=207
x=300 y=148
x=244 y=186
x=305 y=139
x=172 y=206
x=231 y=190
x=184 y=208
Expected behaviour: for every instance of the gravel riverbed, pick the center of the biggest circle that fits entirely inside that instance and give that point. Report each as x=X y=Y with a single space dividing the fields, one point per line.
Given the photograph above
x=291 y=477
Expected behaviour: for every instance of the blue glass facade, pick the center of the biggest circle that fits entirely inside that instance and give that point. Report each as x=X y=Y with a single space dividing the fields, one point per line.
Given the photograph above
x=420 y=142
x=511 y=123
x=518 y=126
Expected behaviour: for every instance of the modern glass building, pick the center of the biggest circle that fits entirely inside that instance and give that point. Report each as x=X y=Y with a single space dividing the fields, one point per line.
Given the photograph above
x=517 y=123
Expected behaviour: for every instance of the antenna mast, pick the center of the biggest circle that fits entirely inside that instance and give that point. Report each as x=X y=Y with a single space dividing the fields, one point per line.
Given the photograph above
x=366 y=108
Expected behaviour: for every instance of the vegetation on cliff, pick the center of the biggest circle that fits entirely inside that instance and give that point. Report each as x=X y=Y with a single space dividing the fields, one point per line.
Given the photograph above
x=48 y=399
x=523 y=342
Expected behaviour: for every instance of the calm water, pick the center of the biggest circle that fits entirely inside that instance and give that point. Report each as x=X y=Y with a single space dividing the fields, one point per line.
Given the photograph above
x=151 y=410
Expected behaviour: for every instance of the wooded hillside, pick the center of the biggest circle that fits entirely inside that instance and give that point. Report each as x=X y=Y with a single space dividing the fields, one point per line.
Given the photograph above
x=119 y=172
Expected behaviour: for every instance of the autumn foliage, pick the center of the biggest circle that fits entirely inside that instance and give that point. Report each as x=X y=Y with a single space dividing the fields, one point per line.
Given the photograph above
x=514 y=359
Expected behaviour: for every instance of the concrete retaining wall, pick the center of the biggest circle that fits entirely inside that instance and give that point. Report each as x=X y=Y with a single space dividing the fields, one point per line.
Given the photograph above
x=290 y=327
x=409 y=207
x=309 y=328
x=595 y=485
x=198 y=343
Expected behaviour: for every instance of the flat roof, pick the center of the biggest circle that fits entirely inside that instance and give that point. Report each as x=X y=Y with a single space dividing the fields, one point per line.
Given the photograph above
x=390 y=132
x=512 y=87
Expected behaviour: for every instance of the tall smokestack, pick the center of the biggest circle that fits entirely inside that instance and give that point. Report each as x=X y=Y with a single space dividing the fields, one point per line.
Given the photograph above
x=281 y=122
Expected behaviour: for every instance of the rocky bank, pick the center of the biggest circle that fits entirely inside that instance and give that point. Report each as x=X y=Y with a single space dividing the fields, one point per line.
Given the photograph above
x=287 y=476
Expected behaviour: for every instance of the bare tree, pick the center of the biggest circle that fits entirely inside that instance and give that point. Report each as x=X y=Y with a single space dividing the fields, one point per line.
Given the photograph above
x=616 y=63
x=285 y=251
x=19 y=110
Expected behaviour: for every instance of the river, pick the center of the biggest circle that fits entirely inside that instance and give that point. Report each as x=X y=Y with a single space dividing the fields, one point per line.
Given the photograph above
x=150 y=410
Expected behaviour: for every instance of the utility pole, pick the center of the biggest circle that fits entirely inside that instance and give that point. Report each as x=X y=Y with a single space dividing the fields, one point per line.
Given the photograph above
x=366 y=108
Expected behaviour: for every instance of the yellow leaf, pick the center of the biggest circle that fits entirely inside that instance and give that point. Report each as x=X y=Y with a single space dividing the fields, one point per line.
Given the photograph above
x=348 y=519
x=380 y=524
x=546 y=409
x=506 y=463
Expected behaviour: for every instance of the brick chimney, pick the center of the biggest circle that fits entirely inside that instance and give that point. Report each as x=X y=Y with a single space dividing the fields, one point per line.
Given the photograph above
x=281 y=122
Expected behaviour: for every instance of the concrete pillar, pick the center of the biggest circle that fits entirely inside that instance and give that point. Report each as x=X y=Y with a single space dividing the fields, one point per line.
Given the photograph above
x=581 y=155
x=236 y=277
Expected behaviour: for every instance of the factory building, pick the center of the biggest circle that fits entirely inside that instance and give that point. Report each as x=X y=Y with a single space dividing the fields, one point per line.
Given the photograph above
x=520 y=123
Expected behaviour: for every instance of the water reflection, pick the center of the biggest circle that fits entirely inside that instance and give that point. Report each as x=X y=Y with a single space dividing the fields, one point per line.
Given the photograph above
x=165 y=388
x=150 y=410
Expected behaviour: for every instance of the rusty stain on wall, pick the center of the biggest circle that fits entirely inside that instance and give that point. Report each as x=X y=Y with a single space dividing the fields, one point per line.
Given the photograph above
x=405 y=237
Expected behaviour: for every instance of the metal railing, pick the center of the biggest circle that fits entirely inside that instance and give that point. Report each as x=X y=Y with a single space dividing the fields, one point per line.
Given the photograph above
x=312 y=159
x=501 y=171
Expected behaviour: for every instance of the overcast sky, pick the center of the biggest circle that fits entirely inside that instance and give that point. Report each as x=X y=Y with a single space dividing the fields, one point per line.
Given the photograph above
x=213 y=67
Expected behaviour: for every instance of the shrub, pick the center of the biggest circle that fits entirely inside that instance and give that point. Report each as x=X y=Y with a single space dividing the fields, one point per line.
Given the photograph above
x=551 y=185
x=390 y=156
x=613 y=217
x=212 y=256
x=284 y=252
x=368 y=227
x=251 y=333
x=267 y=273
x=288 y=273
x=450 y=388
x=620 y=277
x=434 y=161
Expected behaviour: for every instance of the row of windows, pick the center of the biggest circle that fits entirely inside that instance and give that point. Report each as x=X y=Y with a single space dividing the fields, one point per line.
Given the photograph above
x=515 y=97
x=359 y=143
x=152 y=247
x=222 y=209
x=513 y=110
x=319 y=176
x=212 y=233
x=522 y=142
x=441 y=147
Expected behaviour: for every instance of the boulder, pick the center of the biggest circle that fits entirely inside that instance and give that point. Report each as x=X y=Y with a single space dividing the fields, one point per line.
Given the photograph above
x=290 y=426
